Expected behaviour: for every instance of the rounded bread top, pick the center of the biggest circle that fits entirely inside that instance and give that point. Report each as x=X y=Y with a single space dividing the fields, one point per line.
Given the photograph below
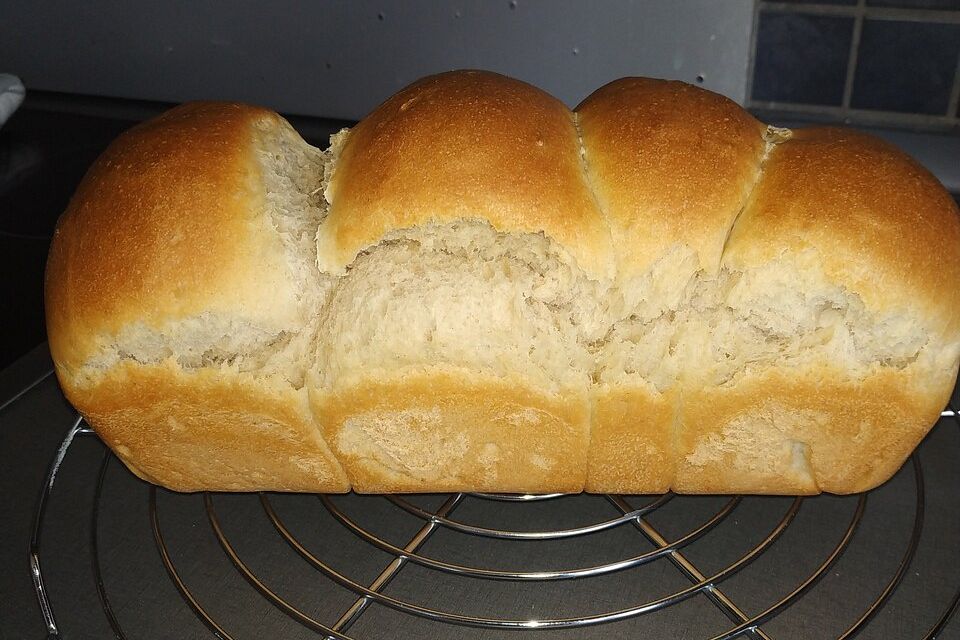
x=671 y=164
x=464 y=145
x=168 y=224
x=879 y=224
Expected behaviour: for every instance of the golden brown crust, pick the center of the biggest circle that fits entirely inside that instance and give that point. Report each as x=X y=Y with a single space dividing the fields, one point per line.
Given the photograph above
x=473 y=145
x=805 y=431
x=881 y=225
x=162 y=227
x=443 y=429
x=208 y=430
x=631 y=440
x=671 y=164
x=167 y=226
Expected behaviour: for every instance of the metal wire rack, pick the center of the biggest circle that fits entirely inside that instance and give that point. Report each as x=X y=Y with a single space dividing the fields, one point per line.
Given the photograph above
x=365 y=555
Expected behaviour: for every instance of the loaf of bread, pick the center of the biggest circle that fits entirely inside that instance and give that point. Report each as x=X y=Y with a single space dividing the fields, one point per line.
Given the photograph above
x=476 y=289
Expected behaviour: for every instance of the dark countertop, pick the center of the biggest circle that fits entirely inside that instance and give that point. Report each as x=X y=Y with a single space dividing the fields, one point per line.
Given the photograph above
x=146 y=604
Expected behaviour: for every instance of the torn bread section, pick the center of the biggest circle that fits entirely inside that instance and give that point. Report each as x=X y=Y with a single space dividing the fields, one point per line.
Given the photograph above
x=466 y=295
x=181 y=300
x=465 y=241
x=672 y=167
x=503 y=322
x=832 y=347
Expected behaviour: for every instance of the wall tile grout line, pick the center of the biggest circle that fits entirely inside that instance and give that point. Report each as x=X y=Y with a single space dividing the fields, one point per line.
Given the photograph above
x=752 y=52
x=952 y=105
x=860 y=116
x=853 y=56
x=869 y=12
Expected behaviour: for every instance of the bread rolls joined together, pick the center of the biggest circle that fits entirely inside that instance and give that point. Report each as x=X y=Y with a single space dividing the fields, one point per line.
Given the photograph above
x=476 y=289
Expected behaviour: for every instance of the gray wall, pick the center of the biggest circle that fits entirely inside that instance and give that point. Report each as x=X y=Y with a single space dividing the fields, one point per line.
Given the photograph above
x=339 y=59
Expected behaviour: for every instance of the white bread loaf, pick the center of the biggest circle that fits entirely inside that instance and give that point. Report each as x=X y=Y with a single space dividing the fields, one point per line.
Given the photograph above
x=476 y=289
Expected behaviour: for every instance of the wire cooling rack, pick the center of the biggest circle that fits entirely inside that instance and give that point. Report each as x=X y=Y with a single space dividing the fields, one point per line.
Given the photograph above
x=494 y=565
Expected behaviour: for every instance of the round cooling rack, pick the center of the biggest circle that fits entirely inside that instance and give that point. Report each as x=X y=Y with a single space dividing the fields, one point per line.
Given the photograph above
x=142 y=562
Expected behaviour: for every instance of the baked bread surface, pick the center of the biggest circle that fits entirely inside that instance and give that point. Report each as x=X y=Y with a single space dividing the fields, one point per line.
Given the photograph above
x=476 y=289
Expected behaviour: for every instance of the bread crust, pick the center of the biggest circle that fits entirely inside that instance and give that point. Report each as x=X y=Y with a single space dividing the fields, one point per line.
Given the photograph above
x=803 y=431
x=631 y=439
x=446 y=429
x=209 y=430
